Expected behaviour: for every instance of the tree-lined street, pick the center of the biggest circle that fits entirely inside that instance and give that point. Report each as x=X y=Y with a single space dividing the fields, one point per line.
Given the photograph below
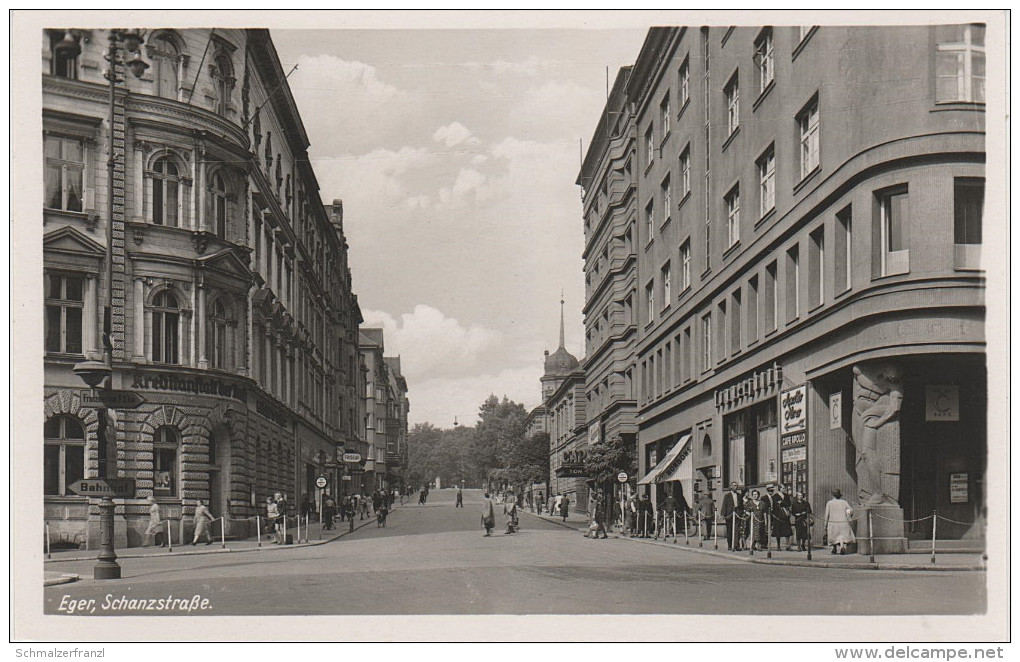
x=432 y=559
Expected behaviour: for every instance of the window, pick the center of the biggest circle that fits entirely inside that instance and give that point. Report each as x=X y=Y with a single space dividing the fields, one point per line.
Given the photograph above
x=165 y=328
x=64 y=306
x=960 y=63
x=63 y=455
x=732 y=92
x=706 y=342
x=753 y=313
x=666 y=275
x=767 y=181
x=685 y=82
x=807 y=121
x=217 y=336
x=708 y=243
x=968 y=209
x=223 y=80
x=816 y=268
x=650 y=301
x=65 y=173
x=687 y=354
x=685 y=265
x=220 y=205
x=844 y=234
x=164 y=462
x=650 y=219
x=792 y=283
x=166 y=196
x=732 y=200
x=649 y=146
x=165 y=60
x=893 y=239
x=771 y=297
x=64 y=51
x=721 y=330
x=667 y=199
x=735 y=303
x=664 y=115
x=763 y=60
x=678 y=365
x=685 y=172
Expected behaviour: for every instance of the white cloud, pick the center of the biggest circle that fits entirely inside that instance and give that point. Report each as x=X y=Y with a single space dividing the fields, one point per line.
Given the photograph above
x=432 y=345
x=439 y=400
x=419 y=202
x=454 y=134
x=529 y=67
x=369 y=183
x=468 y=180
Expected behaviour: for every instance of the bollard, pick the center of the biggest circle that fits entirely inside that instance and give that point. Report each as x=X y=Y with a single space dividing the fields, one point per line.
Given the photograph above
x=733 y=532
x=169 y=538
x=934 y=525
x=48 y=541
x=768 y=535
x=644 y=531
x=284 y=541
x=258 y=530
x=750 y=548
x=320 y=524
x=86 y=537
x=674 y=527
x=687 y=535
x=701 y=534
x=871 y=540
x=715 y=528
x=223 y=532
x=811 y=535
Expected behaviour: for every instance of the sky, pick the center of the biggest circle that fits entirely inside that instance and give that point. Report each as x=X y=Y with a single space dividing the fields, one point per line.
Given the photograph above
x=456 y=153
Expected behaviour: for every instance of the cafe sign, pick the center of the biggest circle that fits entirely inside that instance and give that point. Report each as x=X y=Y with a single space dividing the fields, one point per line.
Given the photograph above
x=793 y=410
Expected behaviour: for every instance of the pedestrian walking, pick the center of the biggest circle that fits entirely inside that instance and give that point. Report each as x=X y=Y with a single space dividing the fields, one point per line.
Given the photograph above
x=273 y=517
x=838 y=515
x=539 y=503
x=281 y=519
x=801 y=511
x=732 y=501
x=328 y=511
x=779 y=511
x=564 y=507
x=203 y=518
x=488 y=515
x=460 y=499
x=154 y=532
x=363 y=503
x=599 y=518
x=645 y=516
x=706 y=512
x=631 y=515
x=511 y=517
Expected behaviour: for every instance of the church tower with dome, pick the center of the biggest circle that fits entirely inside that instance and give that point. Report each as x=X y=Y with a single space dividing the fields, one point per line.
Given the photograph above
x=559 y=365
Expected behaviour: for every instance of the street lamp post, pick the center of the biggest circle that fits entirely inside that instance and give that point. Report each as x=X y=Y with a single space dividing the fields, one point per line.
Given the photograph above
x=93 y=372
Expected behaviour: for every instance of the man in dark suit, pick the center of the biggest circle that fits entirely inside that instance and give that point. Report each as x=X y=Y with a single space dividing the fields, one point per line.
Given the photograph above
x=730 y=503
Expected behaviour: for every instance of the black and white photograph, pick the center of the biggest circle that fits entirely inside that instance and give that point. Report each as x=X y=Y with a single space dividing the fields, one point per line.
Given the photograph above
x=511 y=326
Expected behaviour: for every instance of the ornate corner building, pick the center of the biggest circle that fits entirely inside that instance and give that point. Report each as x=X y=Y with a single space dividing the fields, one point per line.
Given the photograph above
x=232 y=314
x=783 y=249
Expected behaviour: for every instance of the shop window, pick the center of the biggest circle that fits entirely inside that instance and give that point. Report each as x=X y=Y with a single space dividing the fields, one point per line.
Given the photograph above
x=64 y=309
x=63 y=455
x=166 y=316
x=165 y=470
x=752 y=445
x=166 y=192
x=65 y=173
x=892 y=240
x=844 y=250
x=960 y=64
x=968 y=212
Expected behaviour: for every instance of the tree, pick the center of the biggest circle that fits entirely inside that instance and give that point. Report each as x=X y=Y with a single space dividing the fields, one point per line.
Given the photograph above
x=605 y=459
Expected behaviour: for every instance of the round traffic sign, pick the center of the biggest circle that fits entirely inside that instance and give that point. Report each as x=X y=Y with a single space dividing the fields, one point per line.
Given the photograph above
x=622 y=476
x=321 y=482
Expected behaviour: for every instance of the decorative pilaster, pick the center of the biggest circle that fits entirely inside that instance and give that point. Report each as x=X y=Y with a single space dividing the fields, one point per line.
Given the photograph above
x=91 y=321
x=203 y=360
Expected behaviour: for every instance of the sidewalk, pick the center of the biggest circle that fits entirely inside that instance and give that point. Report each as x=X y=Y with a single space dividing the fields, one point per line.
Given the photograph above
x=313 y=536
x=820 y=556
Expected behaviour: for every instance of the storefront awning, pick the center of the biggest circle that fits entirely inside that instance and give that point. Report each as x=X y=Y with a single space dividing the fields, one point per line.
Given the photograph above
x=658 y=474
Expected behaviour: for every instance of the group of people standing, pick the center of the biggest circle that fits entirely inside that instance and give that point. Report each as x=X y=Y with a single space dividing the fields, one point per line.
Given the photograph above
x=752 y=517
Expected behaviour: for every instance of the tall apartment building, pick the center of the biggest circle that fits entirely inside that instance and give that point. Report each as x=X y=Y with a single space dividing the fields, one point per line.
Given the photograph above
x=385 y=414
x=232 y=311
x=808 y=240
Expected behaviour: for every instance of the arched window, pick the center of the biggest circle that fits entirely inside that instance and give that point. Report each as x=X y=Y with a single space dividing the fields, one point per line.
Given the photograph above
x=165 y=472
x=64 y=51
x=63 y=455
x=166 y=316
x=166 y=65
x=223 y=79
x=218 y=336
x=220 y=205
x=166 y=195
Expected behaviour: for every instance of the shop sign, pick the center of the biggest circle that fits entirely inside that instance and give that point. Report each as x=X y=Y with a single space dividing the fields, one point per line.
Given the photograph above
x=796 y=439
x=795 y=454
x=942 y=403
x=571 y=471
x=184 y=384
x=793 y=408
x=958 y=485
x=746 y=391
x=836 y=410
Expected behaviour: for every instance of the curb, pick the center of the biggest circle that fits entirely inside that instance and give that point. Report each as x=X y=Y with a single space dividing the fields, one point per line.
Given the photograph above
x=65 y=578
x=203 y=552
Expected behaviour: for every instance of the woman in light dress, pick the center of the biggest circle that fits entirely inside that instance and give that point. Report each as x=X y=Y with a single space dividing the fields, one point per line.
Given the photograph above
x=838 y=515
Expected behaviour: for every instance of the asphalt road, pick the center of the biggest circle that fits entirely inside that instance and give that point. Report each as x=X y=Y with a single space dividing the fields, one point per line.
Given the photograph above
x=433 y=559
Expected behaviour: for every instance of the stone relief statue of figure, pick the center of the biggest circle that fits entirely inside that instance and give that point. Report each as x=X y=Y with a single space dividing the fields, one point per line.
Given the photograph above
x=878 y=395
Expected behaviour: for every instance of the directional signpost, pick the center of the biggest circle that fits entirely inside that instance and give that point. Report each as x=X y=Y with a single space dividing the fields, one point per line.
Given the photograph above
x=106 y=488
x=122 y=488
x=109 y=398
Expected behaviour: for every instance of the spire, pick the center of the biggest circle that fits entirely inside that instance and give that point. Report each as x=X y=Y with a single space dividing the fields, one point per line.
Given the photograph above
x=561 y=320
